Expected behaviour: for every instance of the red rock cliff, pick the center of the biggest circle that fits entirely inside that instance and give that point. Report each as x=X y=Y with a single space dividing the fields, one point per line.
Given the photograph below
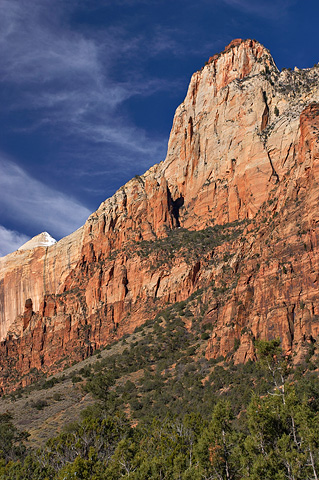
x=243 y=146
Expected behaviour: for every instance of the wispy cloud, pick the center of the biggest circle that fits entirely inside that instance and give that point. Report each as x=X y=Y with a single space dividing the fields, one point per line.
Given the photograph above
x=33 y=35
x=64 y=76
x=67 y=85
x=25 y=199
x=10 y=240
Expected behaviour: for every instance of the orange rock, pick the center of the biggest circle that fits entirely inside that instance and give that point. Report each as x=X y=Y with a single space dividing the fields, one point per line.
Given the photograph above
x=243 y=145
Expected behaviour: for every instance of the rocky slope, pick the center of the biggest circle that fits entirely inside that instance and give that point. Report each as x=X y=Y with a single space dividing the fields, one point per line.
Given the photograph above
x=242 y=155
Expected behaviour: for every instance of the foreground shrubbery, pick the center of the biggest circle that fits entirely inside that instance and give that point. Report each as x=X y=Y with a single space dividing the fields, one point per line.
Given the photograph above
x=276 y=436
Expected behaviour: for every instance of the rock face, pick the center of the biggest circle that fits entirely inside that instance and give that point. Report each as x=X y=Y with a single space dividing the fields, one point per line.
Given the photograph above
x=32 y=273
x=242 y=154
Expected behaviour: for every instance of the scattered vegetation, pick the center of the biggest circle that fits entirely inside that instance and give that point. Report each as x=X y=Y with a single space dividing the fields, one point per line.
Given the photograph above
x=163 y=411
x=190 y=244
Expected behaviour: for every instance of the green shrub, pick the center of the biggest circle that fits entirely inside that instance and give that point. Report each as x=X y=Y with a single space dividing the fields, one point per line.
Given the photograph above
x=39 y=404
x=205 y=336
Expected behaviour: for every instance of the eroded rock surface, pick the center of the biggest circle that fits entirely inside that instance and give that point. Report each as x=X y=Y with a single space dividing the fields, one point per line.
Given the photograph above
x=243 y=150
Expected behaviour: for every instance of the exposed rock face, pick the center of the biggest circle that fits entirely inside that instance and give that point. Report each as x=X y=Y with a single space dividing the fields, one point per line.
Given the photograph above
x=243 y=147
x=32 y=273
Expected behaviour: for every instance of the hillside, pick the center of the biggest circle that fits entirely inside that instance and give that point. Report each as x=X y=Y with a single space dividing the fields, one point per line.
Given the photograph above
x=163 y=411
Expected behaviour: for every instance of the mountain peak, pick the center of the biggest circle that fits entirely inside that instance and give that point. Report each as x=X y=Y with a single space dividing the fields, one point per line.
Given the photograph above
x=242 y=44
x=242 y=58
x=44 y=239
x=235 y=43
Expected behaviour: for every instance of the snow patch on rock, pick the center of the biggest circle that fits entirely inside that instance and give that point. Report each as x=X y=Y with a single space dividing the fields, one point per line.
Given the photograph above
x=44 y=239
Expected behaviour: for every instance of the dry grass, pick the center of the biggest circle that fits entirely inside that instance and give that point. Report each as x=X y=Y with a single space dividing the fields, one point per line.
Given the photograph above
x=61 y=404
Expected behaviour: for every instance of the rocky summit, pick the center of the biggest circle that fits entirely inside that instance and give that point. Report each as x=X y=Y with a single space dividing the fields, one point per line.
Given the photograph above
x=44 y=239
x=227 y=224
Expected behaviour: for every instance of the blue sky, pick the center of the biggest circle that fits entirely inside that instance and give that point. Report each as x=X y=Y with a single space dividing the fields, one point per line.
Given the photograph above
x=88 y=90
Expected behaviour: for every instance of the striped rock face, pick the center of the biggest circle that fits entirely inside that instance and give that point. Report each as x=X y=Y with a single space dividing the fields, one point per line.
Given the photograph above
x=243 y=148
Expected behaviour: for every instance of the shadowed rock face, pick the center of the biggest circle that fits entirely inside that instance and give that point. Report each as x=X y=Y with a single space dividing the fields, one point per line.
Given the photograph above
x=243 y=147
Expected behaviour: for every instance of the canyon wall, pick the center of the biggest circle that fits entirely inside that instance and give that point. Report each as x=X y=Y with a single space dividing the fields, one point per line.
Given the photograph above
x=242 y=155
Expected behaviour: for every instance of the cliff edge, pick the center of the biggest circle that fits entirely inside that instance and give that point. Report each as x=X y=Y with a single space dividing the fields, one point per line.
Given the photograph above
x=231 y=212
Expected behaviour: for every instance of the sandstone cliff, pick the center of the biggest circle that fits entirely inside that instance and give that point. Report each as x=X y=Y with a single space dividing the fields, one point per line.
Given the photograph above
x=242 y=171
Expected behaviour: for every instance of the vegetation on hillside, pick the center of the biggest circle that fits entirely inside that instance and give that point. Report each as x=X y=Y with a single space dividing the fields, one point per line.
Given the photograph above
x=190 y=244
x=163 y=411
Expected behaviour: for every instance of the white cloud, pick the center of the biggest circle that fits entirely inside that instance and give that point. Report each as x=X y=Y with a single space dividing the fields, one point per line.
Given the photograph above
x=34 y=34
x=62 y=85
x=63 y=81
x=10 y=240
x=26 y=201
x=63 y=71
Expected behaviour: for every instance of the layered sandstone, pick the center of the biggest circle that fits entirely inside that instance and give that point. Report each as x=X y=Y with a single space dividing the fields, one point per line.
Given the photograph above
x=33 y=273
x=278 y=271
x=243 y=146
